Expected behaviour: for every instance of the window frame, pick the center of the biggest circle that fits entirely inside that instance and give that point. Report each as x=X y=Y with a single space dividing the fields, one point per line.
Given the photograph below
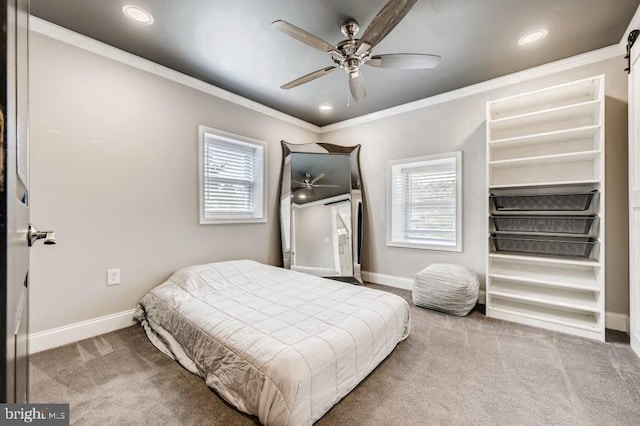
x=260 y=176
x=416 y=162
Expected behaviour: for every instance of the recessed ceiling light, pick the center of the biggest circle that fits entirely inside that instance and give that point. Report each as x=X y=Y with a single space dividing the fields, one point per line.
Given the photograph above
x=325 y=107
x=533 y=36
x=138 y=14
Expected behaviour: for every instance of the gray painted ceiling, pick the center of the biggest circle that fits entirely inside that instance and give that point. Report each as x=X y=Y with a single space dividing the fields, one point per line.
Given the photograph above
x=231 y=44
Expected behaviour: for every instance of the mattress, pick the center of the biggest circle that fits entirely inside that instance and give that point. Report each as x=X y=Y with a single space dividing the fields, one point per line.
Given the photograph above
x=275 y=343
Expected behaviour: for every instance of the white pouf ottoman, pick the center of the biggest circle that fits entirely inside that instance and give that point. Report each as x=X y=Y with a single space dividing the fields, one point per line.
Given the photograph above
x=447 y=288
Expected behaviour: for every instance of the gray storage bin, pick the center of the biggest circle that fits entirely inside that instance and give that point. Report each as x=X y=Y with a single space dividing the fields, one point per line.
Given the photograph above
x=540 y=223
x=544 y=245
x=544 y=202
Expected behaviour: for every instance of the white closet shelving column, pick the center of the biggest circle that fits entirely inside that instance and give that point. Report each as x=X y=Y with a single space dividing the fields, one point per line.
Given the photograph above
x=545 y=208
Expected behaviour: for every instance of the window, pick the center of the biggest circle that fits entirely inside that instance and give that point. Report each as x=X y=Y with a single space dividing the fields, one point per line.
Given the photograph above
x=232 y=178
x=425 y=202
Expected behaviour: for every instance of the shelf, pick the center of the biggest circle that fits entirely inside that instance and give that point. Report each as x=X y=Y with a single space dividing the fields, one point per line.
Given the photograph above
x=561 y=113
x=574 y=140
x=532 y=171
x=550 y=183
x=546 y=159
x=548 y=137
x=550 y=120
x=561 y=298
x=576 y=277
x=570 y=93
x=581 y=262
x=580 y=319
x=583 y=283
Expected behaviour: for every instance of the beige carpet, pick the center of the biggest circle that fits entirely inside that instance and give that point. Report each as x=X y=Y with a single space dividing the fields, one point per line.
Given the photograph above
x=450 y=371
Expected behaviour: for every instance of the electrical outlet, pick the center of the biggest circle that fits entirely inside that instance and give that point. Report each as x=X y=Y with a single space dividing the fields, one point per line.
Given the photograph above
x=113 y=276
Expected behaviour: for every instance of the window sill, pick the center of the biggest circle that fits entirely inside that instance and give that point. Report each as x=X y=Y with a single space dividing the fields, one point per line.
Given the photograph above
x=425 y=246
x=230 y=221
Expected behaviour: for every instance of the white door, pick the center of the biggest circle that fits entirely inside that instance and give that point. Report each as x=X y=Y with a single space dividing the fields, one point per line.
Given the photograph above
x=634 y=198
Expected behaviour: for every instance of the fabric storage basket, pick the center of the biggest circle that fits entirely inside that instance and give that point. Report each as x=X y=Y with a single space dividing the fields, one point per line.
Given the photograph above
x=544 y=202
x=542 y=223
x=544 y=244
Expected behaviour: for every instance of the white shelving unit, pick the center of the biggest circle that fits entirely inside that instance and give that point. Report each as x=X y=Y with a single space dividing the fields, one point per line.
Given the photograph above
x=550 y=141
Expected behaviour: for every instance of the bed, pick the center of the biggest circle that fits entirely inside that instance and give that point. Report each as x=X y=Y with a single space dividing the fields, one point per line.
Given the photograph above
x=279 y=344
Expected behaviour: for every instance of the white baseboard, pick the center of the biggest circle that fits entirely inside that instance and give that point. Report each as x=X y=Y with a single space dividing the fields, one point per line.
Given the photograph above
x=615 y=321
x=71 y=333
x=612 y=320
x=388 y=280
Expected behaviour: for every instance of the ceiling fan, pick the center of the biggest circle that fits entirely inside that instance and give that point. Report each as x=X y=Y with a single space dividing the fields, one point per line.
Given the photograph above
x=309 y=182
x=352 y=53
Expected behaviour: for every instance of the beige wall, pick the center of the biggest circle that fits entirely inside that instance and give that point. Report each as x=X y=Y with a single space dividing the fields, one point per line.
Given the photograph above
x=460 y=125
x=114 y=171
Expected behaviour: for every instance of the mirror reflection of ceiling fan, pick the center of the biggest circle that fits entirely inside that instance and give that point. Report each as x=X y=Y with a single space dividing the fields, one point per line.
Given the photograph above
x=310 y=182
x=352 y=53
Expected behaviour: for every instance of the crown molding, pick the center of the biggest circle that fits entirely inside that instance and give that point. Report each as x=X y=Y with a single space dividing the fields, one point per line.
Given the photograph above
x=485 y=86
x=75 y=39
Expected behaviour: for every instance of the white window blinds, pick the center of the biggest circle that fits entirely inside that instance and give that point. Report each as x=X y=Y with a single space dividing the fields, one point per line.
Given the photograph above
x=424 y=203
x=430 y=203
x=232 y=179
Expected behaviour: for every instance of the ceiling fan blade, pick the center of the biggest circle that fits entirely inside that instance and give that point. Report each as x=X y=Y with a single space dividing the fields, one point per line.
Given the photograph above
x=317 y=178
x=385 y=21
x=307 y=78
x=406 y=61
x=302 y=36
x=356 y=85
x=326 y=186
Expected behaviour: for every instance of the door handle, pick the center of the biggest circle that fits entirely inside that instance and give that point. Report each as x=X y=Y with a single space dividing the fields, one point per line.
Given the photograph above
x=34 y=235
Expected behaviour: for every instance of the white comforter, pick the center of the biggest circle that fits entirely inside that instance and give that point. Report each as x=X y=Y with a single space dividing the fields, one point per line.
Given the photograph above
x=275 y=343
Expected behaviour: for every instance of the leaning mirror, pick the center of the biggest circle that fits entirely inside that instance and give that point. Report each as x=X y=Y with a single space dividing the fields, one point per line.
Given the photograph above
x=321 y=210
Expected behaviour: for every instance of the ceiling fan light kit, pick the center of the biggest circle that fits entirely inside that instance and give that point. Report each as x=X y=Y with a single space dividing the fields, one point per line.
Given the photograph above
x=352 y=53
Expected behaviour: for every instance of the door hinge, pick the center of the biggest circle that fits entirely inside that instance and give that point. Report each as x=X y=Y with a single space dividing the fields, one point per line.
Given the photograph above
x=633 y=36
